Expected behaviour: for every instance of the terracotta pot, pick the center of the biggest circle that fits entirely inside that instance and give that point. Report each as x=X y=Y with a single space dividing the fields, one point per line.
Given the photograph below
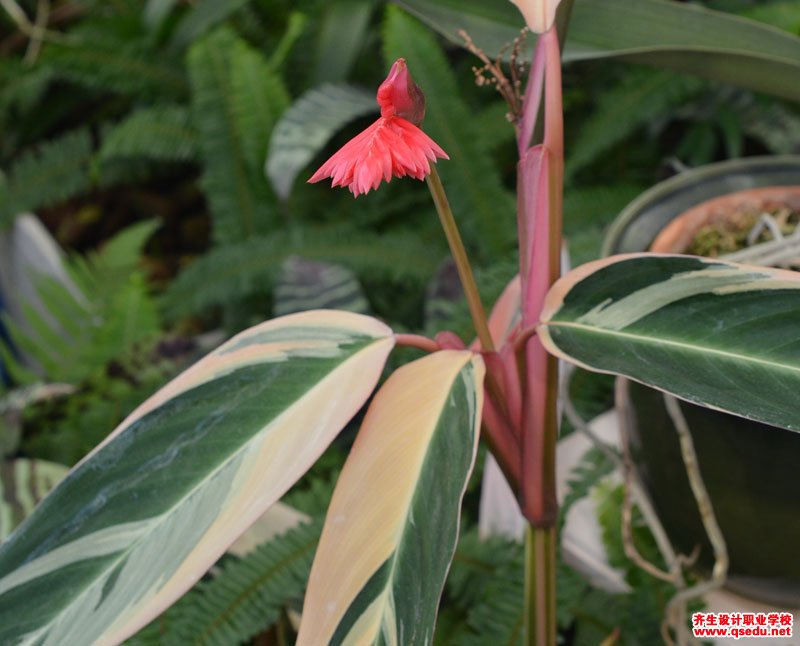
x=680 y=232
x=750 y=469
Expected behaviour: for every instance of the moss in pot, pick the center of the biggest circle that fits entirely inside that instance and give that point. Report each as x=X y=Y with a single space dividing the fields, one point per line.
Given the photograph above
x=750 y=469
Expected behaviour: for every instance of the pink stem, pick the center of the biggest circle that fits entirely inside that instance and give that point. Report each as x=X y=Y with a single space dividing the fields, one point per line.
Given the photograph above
x=533 y=98
x=417 y=341
x=533 y=181
x=542 y=168
x=530 y=114
x=503 y=442
x=513 y=387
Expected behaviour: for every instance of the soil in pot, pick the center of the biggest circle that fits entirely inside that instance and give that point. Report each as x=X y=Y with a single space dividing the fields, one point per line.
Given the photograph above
x=750 y=469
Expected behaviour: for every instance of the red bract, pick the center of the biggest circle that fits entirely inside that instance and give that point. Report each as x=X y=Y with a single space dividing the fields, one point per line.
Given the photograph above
x=392 y=146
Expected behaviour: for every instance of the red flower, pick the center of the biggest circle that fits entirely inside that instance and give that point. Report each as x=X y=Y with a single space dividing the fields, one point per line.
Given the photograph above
x=392 y=146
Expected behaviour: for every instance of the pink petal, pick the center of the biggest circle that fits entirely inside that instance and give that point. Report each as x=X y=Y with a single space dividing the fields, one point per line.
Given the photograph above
x=389 y=147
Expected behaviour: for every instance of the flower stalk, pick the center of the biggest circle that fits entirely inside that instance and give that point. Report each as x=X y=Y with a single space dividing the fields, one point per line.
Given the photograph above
x=459 y=254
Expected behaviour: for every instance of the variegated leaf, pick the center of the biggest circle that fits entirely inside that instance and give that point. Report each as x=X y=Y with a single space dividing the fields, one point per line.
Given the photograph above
x=715 y=333
x=306 y=284
x=144 y=515
x=307 y=126
x=23 y=483
x=681 y=36
x=392 y=526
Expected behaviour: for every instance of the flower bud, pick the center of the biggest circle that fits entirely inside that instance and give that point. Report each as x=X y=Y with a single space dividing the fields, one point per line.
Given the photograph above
x=399 y=96
x=539 y=14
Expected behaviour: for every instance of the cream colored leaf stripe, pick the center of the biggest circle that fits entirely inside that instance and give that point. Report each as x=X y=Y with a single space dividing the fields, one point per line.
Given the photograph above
x=392 y=525
x=716 y=277
x=147 y=513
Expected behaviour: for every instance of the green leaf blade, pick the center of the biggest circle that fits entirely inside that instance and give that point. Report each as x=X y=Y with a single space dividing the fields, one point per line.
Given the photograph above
x=158 y=133
x=678 y=36
x=143 y=516
x=308 y=125
x=714 y=333
x=236 y=98
x=393 y=522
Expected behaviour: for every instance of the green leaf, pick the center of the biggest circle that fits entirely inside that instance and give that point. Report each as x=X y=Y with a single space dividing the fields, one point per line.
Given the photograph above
x=79 y=332
x=484 y=209
x=142 y=518
x=335 y=54
x=307 y=285
x=642 y=98
x=201 y=17
x=23 y=483
x=307 y=126
x=713 y=333
x=102 y=62
x=392 y=526
x=784 y=15
x=588 y=210
x=53 y=172
x=236 y=100
x=673 y=35
x=159 y=133
x=488 y=576
x=235 y=271
x=156 y=11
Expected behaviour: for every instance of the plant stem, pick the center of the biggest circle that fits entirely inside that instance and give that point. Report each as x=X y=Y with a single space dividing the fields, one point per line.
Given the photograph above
x=500 y=436
x=460 y=257
x=539 y=451
x=417 y=341
x=540 y=586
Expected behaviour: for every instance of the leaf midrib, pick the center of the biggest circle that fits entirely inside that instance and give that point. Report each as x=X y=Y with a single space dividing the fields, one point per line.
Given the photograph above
x=649 y=340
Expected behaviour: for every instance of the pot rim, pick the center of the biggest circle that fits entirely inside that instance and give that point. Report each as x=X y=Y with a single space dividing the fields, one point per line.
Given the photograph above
x=676 y=235
x=694 y=176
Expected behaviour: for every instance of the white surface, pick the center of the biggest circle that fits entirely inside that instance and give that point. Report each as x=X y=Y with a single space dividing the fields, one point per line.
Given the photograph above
x=28 y=251
x=581 y=541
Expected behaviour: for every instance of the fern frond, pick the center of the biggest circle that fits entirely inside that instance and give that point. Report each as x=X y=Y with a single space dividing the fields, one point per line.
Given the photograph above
x=477 y=562
x=335 y=55
x=259 y=99
x=203 y=16
x=232 y=272
x=308 y=125
x=487 y=581
x=637 y=615
x=645 y=95
x=233 y=121
x=23 y=87
x=107 y=63
x=774 y=124
x=66 y=430
x=588 y=210
x=244 y=598
x=492 y=126
x=594 y=466
x=55 y=171
x=306 y=285
x=160 y=133
x=479 y=201
x=77 y=335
